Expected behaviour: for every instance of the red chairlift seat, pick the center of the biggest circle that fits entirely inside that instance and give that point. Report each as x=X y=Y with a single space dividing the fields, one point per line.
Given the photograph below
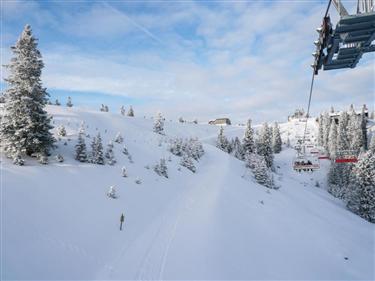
x=347 y=156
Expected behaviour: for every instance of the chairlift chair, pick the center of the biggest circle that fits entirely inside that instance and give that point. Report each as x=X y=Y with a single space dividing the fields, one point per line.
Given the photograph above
x=305 y=163
x=346 y=156
x=343 y=46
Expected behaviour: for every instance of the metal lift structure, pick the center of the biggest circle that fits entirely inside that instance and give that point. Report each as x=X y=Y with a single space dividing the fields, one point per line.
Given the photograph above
x=336 y=48
x=343 y=46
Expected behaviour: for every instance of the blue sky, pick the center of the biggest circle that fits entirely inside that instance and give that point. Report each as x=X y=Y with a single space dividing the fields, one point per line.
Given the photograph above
x=206 y=59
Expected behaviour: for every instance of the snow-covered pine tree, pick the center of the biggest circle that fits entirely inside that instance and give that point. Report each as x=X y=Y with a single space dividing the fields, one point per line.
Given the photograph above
x=109 y=154
x=97 y=156
x=332 y=140
x=112 y=192
x=161 y=168
x=355 y=134
x=363 y=126
x=339 y=174
x=118 y=138
x=159 y=124
x=122 y=110
x=222 y=141
x=320 y=131
x=131 y=112
x=361 y=199
x=102 y=108
x=276 y=138
x=175 y=146
x=261 y=172
x=264 y=145
x=57 y=102
x=25 y=126
x=326 y=127
x=61 y=132
x=125 y=150
x=69 y=102
x=248 y=139
x=188 y=163
x=106 y=108
x=81 y=152
x=238 y=149
x=123 y=172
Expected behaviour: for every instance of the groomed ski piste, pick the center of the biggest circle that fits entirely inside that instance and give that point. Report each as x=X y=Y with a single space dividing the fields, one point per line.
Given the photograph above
x=217 y=223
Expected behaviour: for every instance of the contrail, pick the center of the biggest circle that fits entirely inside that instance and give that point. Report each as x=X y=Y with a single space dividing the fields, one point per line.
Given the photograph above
x=137 y=25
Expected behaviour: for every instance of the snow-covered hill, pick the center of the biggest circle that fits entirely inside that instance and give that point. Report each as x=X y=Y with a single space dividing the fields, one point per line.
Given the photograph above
x=58 y=223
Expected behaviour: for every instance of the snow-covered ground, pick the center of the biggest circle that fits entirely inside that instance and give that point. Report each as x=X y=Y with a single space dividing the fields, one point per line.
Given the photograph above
x=58 y=223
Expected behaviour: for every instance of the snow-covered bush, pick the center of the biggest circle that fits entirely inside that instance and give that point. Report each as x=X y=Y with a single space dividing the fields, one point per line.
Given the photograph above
x=138 y=181
x=18 y=160
x=61 y=132
x=43 y=159
x=123 y=172
x=161 y=168
x=69 y=102
x=125 y=150
x=119 y=138
x=122 y=110
x=112 y=192
x=59 y=158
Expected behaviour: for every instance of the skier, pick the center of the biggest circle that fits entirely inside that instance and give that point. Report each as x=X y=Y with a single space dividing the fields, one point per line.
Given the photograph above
x=122 y=218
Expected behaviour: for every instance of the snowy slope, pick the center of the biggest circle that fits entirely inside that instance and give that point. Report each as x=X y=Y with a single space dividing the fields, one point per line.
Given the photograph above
x=58 y=222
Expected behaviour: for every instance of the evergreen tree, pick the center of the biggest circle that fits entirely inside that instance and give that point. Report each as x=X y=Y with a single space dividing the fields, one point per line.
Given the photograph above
x=119 y=138
x=332 y=144
x=188 y=163
x=356 y=134
x=260 y=170
x=123 y=172
x=326 y=127
x=109 y=154
x=161 y=168
x=363 y=126
x=61 y=132
x=25 y=126
x=248 y=140
x=159 y=124
x=320 y=132
x=238 y=149
x=122 y=110
x=264 y=145
x=362 y=192
x=97 y=150
x=222 y=141
x=276 y=139
x=131 y=112
x=57 y=102
x=69 y=103
x=112 y=192
x=81 y=153
x=339 y=174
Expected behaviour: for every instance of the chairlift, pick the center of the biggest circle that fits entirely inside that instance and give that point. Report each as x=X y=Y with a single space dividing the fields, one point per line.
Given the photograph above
x=346 y=156
x=304 y=163
x=344 y=45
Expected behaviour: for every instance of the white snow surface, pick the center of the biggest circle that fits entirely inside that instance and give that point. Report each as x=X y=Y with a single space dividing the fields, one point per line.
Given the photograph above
x=58 y=223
